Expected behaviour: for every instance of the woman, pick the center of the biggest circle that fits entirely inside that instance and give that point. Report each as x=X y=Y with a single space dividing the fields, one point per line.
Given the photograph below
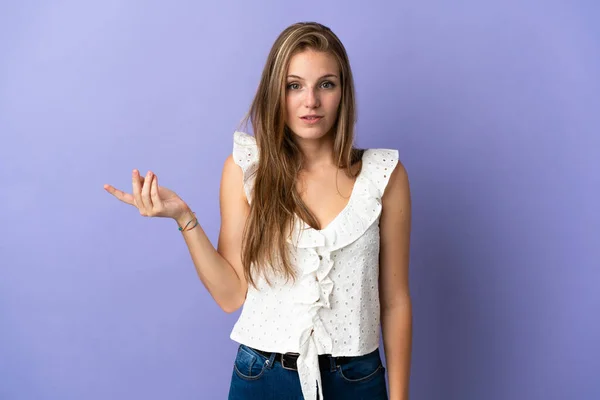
x=314 y=238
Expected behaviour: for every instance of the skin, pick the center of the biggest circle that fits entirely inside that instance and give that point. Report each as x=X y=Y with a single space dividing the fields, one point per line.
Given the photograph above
x=313 y=88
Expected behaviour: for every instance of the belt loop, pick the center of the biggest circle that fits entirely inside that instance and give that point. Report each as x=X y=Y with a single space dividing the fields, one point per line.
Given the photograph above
x=271 y=360
x=332 y=365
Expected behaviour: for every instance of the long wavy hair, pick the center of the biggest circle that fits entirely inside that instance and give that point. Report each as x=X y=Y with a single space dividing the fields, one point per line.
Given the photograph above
x=275 y=202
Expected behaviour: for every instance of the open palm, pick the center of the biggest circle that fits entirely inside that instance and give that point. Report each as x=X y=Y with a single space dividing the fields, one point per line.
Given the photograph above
x=149 y=198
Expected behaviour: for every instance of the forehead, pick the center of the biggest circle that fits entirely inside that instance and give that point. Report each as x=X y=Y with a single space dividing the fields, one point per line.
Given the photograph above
x=313 y=64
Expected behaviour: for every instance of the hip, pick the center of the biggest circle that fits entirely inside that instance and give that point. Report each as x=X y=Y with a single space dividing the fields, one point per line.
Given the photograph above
x=263 y=375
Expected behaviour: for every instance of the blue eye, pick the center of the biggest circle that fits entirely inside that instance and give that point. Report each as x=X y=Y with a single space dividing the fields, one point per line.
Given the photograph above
x=293 y=86
x=328 y=85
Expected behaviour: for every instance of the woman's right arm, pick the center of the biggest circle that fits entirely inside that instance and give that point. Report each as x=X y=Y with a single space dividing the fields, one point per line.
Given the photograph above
x=220 y=270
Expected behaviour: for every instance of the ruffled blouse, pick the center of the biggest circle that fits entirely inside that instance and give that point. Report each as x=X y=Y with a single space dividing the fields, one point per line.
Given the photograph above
x=333 y=306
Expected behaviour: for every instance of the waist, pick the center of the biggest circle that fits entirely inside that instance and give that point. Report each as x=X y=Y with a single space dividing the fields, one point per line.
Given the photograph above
x=289 y=360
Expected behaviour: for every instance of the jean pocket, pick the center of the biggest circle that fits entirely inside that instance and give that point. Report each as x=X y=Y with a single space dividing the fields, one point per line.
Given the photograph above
x=362 y=368
x=248 y=364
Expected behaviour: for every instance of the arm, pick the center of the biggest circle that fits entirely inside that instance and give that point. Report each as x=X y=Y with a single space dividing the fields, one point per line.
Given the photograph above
x=396 y=310
x=220 y=270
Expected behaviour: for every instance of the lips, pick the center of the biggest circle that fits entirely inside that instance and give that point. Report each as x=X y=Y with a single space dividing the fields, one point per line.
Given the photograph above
x=311 y=119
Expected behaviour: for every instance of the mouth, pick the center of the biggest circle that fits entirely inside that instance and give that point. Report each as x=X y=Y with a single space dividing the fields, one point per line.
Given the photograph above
x=311 y=119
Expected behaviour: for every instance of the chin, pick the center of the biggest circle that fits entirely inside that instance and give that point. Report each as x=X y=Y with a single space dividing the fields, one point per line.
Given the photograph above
x=311 y=133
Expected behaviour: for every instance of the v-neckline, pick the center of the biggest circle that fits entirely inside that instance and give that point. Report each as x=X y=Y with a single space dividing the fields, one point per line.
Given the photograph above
x=307 y=227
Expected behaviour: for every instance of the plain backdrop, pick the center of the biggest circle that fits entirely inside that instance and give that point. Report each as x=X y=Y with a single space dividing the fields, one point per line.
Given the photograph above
x=493 y=106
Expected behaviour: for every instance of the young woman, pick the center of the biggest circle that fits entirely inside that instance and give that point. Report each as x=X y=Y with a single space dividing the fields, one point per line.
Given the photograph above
x=314 y=238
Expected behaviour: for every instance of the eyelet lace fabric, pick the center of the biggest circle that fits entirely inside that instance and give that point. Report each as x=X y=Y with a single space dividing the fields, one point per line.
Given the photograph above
x=333 y=306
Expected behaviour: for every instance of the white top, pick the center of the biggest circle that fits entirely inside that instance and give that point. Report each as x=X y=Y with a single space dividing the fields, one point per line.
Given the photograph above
x=333 y=307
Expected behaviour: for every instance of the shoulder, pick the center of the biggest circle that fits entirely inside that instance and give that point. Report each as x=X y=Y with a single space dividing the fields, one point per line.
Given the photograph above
x=397 y=193
x=245 y=156
x=398 y=180
x=379 y=165
x=243 y=139
x=245 y=150
x=388 y=174
x=231 y=167
x=232 y=173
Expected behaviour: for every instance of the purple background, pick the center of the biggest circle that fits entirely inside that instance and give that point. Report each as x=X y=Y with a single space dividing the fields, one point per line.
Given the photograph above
x=493 y=105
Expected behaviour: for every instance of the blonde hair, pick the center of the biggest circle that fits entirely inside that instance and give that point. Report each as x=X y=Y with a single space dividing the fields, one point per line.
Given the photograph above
x=275 y=201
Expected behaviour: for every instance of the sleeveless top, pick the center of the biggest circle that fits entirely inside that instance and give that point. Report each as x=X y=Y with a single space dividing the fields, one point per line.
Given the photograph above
x=333 y=306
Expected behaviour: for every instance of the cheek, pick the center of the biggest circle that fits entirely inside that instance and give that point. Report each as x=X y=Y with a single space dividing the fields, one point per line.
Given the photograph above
x=288 y=107
x=334 y=103
x=291 y=104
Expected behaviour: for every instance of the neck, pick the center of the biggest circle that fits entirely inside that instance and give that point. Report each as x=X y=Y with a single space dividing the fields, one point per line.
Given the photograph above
x=317 y=153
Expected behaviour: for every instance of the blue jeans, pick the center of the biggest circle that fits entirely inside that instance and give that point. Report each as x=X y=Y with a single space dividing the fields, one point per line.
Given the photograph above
x=363 y=377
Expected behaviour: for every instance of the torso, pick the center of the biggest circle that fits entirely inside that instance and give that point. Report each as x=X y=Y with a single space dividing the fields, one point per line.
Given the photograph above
x=333 y=305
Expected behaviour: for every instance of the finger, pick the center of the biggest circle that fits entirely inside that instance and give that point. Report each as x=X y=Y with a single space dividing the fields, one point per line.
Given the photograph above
x=146 y=193
x=137 y=191
x=119 y=194
x=154 y=192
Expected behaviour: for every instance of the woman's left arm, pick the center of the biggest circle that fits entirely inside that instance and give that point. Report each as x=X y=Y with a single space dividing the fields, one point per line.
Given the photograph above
x=394 y=296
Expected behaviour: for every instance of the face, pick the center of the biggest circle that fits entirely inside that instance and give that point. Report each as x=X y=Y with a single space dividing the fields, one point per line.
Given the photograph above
x=313 y=94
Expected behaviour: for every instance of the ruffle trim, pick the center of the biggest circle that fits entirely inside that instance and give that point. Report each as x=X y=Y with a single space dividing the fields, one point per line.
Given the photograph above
x=316 y=287
x=363 y=208
x=245 y=154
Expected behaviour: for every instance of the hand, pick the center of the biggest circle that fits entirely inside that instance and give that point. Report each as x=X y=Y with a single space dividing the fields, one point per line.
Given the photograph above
x=150 y=199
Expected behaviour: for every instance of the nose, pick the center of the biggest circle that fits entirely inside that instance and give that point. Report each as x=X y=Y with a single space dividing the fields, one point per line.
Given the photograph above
x=311 y=99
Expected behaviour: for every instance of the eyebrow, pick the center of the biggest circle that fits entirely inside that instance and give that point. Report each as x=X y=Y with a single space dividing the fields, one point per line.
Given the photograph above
x=323 y=77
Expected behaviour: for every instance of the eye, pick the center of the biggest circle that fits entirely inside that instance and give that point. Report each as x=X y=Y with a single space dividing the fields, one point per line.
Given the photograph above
x=293 y=86
x=328 y=85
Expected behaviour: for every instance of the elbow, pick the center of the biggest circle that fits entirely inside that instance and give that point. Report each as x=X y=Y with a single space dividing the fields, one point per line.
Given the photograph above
x=398 y=303
x=232 y=306
x=229 y=309
x=231 y=300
